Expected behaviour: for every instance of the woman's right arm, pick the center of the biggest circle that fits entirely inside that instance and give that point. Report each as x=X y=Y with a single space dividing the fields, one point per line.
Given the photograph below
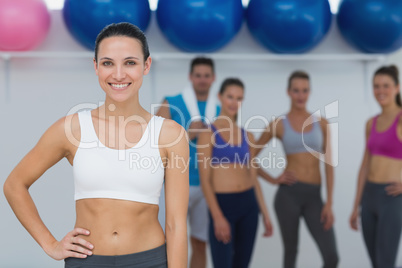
x=362 y=177
x=50 y=149
x=204 y=154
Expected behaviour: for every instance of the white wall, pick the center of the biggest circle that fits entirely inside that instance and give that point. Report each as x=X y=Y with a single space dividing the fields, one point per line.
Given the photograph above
x=43 y=90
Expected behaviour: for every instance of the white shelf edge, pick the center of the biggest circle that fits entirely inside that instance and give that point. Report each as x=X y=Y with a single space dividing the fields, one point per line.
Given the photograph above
x=217 y=56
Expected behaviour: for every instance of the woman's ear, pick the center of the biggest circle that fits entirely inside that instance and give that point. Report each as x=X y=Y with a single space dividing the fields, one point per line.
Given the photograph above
x=96 y=66
x=147 y=65
x=220 y=97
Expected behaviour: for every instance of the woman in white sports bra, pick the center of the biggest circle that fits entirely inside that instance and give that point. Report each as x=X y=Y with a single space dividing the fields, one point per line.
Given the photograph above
x=303 y=138
x=121 y=154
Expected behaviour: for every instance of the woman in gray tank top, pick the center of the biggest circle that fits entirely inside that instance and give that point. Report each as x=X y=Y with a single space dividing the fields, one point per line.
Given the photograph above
x=305 y=140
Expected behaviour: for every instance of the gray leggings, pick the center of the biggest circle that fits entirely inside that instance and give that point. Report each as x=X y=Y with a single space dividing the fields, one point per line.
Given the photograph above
x=155 y=258
x=381 y=216
x=303 y=200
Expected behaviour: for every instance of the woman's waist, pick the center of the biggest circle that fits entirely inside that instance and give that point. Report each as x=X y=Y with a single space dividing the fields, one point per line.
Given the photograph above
x=309 y=175
x=302 y=161
x=385 y=170
x=231 y=179
x=119 y=229
x=123 y=239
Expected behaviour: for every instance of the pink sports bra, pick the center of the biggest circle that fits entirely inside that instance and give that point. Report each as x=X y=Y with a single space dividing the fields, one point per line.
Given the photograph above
x=385 y=143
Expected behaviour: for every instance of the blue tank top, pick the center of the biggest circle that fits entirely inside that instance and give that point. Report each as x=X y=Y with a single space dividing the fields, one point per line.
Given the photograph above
x=180 y=114
x=226 y=153
x=295 y=142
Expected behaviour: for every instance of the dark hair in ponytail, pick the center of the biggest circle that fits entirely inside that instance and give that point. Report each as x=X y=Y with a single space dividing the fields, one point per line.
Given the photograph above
x=230 y=82
x=393 y=72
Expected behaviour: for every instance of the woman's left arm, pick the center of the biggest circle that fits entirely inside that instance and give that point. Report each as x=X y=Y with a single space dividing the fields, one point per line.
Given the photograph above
x=327 y=216
x=175 y=142
x=253 y=167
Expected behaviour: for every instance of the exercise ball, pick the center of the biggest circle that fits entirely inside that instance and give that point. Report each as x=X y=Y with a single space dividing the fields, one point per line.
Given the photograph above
x=289 y=26
x=373 y=26
x=85 y=19
x=24 y=24
x=199 y=25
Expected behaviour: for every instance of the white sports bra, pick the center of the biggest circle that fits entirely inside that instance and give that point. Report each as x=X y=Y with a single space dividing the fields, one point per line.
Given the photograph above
x=134 y=174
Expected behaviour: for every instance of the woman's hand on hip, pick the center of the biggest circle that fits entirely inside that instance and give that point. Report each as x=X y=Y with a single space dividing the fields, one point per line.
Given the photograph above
x=71 y=246
x=394 y=189
x=287 y=177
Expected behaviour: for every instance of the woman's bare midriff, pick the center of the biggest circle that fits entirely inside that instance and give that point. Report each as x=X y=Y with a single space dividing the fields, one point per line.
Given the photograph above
x=119 y=227
x=305 y=166
x=385 y=169
x=231 y=178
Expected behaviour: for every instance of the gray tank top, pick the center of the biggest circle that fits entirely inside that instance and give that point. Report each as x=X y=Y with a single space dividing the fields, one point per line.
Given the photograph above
x=295 y=142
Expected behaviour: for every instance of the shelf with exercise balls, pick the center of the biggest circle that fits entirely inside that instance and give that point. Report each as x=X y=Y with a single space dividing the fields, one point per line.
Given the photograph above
x=371 y=26
x=199 y=25
x=289 y=26
x=85 y=19
x=24 y=25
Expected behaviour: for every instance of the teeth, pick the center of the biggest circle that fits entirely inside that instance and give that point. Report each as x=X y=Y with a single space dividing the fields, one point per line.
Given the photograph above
x=119 y=85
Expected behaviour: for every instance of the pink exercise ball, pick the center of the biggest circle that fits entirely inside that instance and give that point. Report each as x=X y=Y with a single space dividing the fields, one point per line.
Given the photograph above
x=24 y=24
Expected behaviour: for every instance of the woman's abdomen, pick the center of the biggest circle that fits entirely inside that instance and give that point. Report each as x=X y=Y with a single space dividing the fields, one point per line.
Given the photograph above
x=305 y=167
x=231 y=178
x=119 y=227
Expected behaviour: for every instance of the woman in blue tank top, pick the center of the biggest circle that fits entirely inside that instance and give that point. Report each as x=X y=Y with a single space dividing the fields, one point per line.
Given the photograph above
x=116 y=192
x=304 y=138
x=230 y=185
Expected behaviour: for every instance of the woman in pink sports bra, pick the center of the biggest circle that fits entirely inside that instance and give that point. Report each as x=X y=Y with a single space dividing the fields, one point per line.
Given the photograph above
x=116 y=199
x=379 y=187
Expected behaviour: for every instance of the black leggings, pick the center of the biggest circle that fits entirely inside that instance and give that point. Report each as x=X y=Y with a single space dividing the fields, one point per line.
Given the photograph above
x=381 y=216
x=241 y=211
x=303 y=200
x=153 y=258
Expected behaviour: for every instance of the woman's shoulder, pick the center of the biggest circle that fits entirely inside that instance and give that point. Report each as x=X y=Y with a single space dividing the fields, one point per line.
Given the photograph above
x=62 y=134
x=370 y=121
x=171 y=131
x=68 y=128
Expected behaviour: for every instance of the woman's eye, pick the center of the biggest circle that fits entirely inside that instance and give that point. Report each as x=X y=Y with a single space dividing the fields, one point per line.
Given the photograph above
x=106 y=63
x=130 y=63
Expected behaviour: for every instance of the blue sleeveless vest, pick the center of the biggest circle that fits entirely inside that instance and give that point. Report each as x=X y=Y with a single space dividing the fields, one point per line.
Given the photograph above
x=180 y=114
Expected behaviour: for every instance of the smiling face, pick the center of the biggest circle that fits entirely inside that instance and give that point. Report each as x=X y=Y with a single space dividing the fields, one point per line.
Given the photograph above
x=120 y=67
x=299 y=91
x=385 y=89
x=231 y=99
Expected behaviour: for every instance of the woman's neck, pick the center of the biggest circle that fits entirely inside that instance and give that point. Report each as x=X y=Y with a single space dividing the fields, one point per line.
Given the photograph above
x=224 y=120
x=126 y=109
x=390 y=109
x=298 y=111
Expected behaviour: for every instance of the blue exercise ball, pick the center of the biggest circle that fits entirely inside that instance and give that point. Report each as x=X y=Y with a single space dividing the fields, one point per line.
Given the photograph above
x=86 y=18
x=373 y=26
x=199 y=25
x=289 y=26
